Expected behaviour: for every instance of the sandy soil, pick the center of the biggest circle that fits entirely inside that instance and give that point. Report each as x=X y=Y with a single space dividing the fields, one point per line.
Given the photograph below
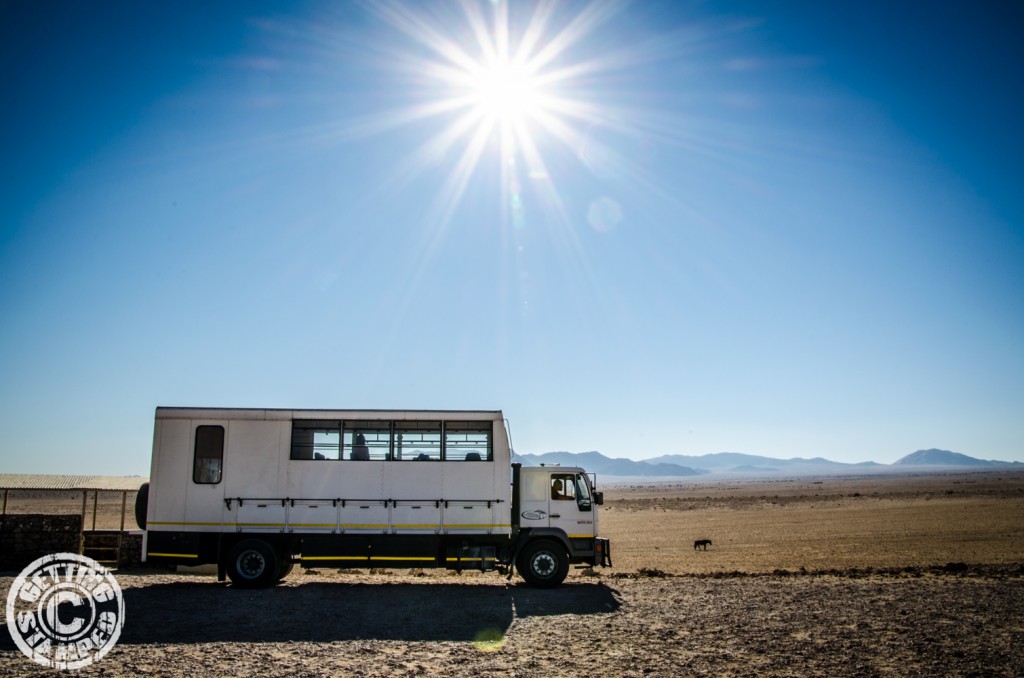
x=375 y=625
x=800 y=580
x=818 y=523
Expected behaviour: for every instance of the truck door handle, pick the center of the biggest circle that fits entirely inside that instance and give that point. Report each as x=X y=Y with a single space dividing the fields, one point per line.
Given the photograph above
x=556 y=515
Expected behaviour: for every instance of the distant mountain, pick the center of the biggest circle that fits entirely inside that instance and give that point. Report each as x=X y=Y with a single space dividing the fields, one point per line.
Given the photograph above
x=735 y=462
x=747 y=468
x=738 y=464
x=595 y=462
x=935 y=457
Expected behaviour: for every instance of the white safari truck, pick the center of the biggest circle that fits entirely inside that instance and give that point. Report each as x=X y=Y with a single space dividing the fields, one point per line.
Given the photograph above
x=256 y=490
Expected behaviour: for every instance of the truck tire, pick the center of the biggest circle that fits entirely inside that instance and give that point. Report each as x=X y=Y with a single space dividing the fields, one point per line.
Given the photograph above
x=543 y=563
x=142 y=505
x=253 y=563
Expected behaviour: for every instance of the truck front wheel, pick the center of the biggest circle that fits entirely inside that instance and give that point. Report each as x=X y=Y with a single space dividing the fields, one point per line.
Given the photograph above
x=253 y=563
x=543 y=564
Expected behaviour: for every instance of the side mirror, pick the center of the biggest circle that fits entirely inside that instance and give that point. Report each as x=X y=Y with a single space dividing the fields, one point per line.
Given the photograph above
x=599 y=498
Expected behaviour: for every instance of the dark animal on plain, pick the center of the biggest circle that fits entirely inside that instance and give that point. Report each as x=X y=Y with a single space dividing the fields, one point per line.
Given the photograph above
x=701 y=542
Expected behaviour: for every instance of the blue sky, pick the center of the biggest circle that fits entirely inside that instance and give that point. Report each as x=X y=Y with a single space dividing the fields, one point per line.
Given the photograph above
x=790 y=229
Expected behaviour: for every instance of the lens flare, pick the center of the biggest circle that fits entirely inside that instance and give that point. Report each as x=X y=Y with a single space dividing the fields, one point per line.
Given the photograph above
x=489 y=640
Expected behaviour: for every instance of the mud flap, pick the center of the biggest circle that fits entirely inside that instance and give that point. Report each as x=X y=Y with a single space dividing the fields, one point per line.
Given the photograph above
x=222 y=569
x=603 y=552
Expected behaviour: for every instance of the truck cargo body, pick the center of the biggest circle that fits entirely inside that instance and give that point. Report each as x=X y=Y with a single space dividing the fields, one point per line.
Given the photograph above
x=256 y=490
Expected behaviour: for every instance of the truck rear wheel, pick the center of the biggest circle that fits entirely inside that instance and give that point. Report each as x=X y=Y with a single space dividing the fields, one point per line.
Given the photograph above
x=543 y=564
x=253 y=563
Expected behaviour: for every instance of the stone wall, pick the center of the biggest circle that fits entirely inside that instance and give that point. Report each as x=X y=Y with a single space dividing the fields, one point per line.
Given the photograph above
x=25 y=537
x=131 y=549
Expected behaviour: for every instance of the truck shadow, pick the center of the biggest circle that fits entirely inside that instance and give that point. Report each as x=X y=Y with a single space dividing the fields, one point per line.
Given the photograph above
x=207 y=612
x=187 y=613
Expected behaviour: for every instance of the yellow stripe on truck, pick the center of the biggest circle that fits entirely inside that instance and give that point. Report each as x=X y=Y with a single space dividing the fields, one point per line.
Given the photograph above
x=161 y=522
x=173 y=555
x=310 y=525
x=419 y=558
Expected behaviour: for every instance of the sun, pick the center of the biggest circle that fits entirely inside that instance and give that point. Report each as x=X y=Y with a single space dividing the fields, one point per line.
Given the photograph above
x=495 y=83
x=506 y=93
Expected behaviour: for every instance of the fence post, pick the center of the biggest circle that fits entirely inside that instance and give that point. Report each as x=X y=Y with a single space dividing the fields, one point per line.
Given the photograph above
x=81 y=525
x=120 y=534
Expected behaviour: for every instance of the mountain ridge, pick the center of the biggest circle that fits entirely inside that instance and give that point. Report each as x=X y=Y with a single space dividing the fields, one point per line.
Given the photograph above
x=681 y=465
x=936 y=457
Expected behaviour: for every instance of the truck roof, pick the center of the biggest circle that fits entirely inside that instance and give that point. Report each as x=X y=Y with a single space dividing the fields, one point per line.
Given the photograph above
x=554 y=467
x=281 y=414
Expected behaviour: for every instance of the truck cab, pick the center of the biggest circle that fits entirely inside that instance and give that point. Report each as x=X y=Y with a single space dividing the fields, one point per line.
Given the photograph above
x=558 y=503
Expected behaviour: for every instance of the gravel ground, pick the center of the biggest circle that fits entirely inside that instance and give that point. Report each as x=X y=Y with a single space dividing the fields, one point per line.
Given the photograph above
x=948 y=621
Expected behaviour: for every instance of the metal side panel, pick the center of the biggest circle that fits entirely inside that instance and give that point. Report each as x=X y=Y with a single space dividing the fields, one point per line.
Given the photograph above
x=255 y=515
x=311 y=515
x=412 y=517
x=365 y=516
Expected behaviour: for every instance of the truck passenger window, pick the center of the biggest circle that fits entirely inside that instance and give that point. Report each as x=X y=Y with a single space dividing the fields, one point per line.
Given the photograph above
x=467 y=441
x=209 y=455
x=316 y=439
x=417 y=441
x=366 y=440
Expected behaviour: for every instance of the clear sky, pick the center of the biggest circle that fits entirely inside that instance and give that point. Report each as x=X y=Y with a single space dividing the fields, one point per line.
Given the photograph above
x=786 y=228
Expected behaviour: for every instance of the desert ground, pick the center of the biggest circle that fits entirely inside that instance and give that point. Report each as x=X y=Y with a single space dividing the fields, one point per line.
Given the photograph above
x=861 y=576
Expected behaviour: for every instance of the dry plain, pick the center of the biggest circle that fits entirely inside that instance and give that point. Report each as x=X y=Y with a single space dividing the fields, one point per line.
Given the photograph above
x=873 y=575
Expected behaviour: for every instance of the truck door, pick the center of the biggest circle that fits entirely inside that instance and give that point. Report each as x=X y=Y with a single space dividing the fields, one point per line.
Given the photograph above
x=571 y=507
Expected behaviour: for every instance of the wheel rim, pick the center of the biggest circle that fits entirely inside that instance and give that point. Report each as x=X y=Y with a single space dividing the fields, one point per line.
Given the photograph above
x=251 y=564
x=543 y=564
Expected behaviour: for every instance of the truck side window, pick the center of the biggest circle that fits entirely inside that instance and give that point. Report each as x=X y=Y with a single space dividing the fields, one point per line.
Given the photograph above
x=563 y=486
x=467 y=441
x=209 y=455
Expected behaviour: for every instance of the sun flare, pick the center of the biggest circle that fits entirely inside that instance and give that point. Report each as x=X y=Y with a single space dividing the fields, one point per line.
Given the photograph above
x=530 y=97
x=506 y=92
x=499 y=83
